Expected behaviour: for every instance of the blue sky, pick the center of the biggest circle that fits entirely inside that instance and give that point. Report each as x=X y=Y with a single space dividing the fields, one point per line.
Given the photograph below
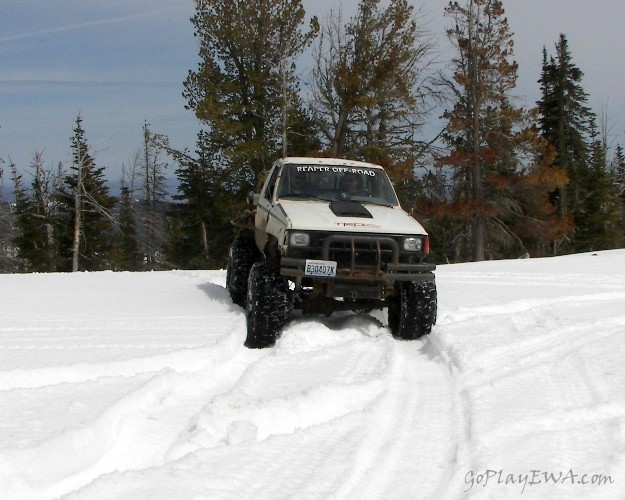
x=120 y=62
x=116 y=63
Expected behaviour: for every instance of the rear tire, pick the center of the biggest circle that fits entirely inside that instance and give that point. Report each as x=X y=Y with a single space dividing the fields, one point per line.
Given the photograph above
x=268 y=305
x=242 y=256
x=413 y=313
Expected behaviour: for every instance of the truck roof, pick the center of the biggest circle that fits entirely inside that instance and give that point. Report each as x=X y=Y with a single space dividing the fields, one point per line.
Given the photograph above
x=297 y=160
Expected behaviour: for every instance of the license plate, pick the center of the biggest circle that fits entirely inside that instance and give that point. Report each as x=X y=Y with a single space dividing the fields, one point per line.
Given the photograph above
x=325 y=268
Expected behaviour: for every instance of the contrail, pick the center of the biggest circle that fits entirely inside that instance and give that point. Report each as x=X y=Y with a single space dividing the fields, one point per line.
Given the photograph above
x=112 y=20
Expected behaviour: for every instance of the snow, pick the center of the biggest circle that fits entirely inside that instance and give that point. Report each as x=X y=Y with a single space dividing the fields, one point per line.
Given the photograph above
x=137 y=386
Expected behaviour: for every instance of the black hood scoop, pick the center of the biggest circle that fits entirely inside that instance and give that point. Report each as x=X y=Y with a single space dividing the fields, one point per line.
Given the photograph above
x=349 y=209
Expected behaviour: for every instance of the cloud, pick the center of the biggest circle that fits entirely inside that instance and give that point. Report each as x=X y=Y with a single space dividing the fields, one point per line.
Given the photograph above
x=112 y=20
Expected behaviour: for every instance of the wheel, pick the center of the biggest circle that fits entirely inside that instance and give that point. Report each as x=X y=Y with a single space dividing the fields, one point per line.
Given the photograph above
x=268 y=305
x=243 y=253
x=413 y=313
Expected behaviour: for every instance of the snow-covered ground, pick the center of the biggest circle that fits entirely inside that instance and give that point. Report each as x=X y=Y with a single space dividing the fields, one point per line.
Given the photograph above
x=137 y=386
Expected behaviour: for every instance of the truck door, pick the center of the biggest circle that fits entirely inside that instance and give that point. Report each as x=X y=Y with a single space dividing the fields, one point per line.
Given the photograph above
x=265 y=205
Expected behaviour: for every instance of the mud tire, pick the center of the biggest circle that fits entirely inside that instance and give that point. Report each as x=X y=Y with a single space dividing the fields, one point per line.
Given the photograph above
x=268 y=305
x=242 y=256
x=413 y=313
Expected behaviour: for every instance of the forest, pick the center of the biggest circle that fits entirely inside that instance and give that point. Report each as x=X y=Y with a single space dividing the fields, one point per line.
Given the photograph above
x=499 y=179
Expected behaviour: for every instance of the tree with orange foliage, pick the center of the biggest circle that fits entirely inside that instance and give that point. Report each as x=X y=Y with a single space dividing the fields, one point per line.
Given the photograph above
x=495 y=152
x=369 y=81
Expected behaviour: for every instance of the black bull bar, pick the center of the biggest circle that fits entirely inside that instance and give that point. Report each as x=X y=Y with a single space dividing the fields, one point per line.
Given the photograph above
x=380 y=271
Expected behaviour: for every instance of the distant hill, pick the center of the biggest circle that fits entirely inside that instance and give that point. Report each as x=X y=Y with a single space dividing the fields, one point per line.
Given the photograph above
x=6 y=192
x=6 y=188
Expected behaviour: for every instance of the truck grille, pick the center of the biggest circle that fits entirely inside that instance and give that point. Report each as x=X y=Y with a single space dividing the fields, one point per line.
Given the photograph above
x=360 y=251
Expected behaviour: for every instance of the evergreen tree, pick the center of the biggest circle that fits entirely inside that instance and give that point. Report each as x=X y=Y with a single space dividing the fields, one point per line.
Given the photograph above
x=565 y=122
x=302 y=132
x=34 y=239
x=25 y=238
x=618 y=176
x=245 y=77
x=84 y=223
x=495 y=152
x=369 y=82
x=597 y=212
x=618 y=169
x=483 y=75
x=7 y=261
x=129 y=257
x=197 y=225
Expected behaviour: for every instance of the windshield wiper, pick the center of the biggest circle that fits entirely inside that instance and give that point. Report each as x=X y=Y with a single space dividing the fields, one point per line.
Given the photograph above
x=302 y=195
x=378 y=203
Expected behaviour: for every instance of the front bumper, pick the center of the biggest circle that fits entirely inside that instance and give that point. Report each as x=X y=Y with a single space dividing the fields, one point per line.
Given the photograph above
x=388 y=272
x=378 y=269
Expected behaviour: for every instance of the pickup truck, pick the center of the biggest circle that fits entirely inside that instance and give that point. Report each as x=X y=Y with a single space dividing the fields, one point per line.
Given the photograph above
x=326 y=235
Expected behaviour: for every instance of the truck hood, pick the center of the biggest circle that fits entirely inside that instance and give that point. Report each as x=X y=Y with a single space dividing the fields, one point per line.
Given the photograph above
x=316 y=215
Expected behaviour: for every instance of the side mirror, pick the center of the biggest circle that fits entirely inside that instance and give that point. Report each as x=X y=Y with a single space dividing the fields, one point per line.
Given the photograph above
x=252 y=198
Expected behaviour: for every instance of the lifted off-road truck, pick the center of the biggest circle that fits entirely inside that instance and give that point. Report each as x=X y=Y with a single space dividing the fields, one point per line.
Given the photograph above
x=327 y=235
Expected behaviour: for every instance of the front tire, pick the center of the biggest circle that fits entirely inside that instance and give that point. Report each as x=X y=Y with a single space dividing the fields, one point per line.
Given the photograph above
x=413 y=313
x=268 y=305
x=243 y=253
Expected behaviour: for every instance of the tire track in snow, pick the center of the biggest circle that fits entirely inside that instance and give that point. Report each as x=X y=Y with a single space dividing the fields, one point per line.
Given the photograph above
x=508 y=344
x=181 y=360
x=289 y=426
x=306 y=382
x=326 y=414
x=134 y=432
x=409 y=438
x=463 y=314
x=462 y=429
x=511 y=368
x=532 y=355
x=187 y=360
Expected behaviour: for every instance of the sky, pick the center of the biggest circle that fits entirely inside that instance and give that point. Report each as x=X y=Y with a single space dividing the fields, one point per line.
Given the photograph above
x=119 y=63
x=145 y=391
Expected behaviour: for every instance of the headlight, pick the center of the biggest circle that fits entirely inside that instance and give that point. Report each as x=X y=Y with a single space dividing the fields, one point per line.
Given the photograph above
x=300 y=239
x=412 y=244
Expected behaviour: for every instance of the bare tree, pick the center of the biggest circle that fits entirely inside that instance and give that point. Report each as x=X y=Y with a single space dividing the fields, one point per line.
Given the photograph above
x=150 y=172
x=7 y=260
x=42 y=194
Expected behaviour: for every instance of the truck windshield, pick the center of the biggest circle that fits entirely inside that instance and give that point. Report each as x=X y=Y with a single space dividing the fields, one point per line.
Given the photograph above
x=328 y=182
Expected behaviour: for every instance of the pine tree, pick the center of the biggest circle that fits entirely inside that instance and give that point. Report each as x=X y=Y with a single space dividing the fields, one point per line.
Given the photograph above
x=369 y=80
x=495 y=152
x=618 y=169
x=25 y=238
x=242 y=84
x=84 y=223
x=618 y=175
x=34 y=240
x=197 y=224
x=598 y=209
x=302 y=132
x=8 y=263
x=565 y=122
x=483 y=75
x=128 y=256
